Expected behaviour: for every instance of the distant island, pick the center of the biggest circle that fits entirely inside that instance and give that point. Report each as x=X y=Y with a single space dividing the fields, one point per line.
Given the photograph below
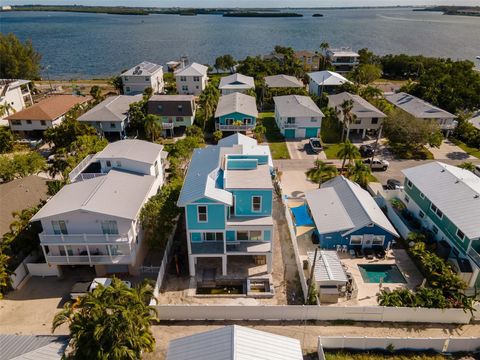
x=454 y=10
x=261 y=14
x=317 y=15
x=114 y=10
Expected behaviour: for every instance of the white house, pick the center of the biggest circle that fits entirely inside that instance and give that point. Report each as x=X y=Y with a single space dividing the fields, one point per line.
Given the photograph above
x=325 y=81
x=47 y=113
x=142 y=76
x=343 y=60
x=191 y=80
x=14 y=95
x=236 y=83
x=367 y=116
x=421 y=109
x=110 y=117
x=94 y=220
x=297 y=116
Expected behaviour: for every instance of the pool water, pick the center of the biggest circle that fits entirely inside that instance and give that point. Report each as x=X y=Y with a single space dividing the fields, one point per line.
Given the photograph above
x=373 y=273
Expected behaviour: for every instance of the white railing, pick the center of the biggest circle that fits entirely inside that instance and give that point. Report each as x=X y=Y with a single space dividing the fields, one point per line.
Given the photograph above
x=82 y=239
x=89 y=259
x=86 y=176
x=168 y=125
x=80 y=167
x=234 y=127
x=290 y=126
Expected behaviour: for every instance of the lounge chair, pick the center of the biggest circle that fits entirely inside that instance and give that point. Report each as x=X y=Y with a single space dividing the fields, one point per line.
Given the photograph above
x=368 y=253
x=379 y=252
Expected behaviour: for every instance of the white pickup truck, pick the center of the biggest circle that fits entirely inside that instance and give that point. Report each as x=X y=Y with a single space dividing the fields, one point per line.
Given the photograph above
x=81 y=288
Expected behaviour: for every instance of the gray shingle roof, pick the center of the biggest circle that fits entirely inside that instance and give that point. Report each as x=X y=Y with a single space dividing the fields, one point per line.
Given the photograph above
x=118 y=193
x=194 y=69
x=145 y=68
x=32 y=347
x=327 y=78
x=235 y=343
x=169 y=105
x=237 y=81
x=113 y=108
x=296 y=106
x=361 y=107
x=283 y=81
x=455 y=191
x=417 y=107
x=236 y=102
x=137 y=150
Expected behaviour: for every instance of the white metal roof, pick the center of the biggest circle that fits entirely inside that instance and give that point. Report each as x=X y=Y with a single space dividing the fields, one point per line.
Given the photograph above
x=236 y=103
x=328 y=78
x=237 y=81
x=137 y=150
x=417 y=107
x=343 y=52
x=113 y=108
x=32 y=347
x=475 y=120
x=283 y=81
x=235 y=343
x=361 y=107
x=296 y=106
x=194 y=69
x=259 y=178
x=328 y=268
x=145 y=68
x=237 y=139
x=118 y=193
x=455 y=191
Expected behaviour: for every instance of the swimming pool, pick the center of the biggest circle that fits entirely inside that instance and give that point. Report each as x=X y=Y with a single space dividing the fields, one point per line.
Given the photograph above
x=373 y=273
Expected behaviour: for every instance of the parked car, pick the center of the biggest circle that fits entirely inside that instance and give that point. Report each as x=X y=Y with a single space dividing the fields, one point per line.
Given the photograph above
x=377 y=164
x=394 y=184
x=367 y=150
x=81 y=288
x=316 y=145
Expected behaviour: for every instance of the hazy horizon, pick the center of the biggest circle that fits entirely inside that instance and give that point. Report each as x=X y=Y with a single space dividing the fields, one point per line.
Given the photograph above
x=247 y=3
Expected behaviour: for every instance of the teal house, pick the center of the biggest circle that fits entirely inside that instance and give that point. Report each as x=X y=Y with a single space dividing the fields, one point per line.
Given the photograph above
x=236 y=112
x=228 y=197
x=446 y=201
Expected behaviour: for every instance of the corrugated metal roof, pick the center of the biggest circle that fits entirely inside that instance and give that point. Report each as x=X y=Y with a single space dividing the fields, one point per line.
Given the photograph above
x=327 y=78
x=296 y=106
x=361 y=107
x=283 y=81
x=236 y=81
x=455 y=191
x=417 y=107
x=32 y=347
x=235 y=343
x=113 y=108
x=194 y=69
x=236 y=103
x=137 y=150
x=328 y=267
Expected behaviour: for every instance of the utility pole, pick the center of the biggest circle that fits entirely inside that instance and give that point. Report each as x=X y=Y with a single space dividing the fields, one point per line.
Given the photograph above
x=48 y=77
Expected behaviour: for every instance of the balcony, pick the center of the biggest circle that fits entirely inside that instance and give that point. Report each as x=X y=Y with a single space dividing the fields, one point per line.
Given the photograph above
x=290 y=126
x=244 y=127
x=249 y=247
x=168 y=126
x=89 y=260
x=82 y=239
x=207 y=247
x=82 y=165
x=475 y=256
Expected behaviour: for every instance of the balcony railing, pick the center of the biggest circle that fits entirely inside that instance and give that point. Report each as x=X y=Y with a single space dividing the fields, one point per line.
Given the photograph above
x=82 y=239
x=90 y=260
x=168 y=125
x=249 y=246
x=290 y=126
x=475 y=256
x=235 y=127
x=80 y=167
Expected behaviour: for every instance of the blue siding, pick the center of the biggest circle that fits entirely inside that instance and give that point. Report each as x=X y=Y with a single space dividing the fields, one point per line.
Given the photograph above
x=231 y=235
x=215 y=217
x=204 y=200
x=331 y=240
x=236 y=116
x=267 y=235
x=196 y=237
x=243 y=202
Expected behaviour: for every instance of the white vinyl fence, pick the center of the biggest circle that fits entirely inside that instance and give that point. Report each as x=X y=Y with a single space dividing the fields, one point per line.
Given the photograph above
x=43 y=269
x=312 y=312
x=21 y=271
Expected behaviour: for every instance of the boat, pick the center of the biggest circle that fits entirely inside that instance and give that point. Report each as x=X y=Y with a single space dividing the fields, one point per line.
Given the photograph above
x=478 y=57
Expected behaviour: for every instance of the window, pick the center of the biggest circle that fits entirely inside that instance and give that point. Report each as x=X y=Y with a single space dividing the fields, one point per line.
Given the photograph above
x=126 y=78
x=407 y=199
x=184 y=88
x=232 y=208
x=313 y=119
x=242 y=235
x=128 y=89
x=179 y=119
x=202 y=214
x=422 y=195
x=109 y=163
x=229 y=121
x=180 y=107
x=16 y=122
x=455 y=252
x=118 y=163
x=213 y=236
x=155 y=166
x=147 y=78
x=59 y=227
x=29 y=122
x=256 y=203
x=378 y=240
x=196 y=78
x=356 y=240
x=256 y=235
x=409 y=184
x=159 y=107
x=183 y=78
x=43 y=122
x=290 y=120
x=421 y=214
x=374 y=121
x=112 y=125
x=437 y=211
x=247 y=121
x=197 y=87
x=109 y=227
x=435 y=229
x=460 y=234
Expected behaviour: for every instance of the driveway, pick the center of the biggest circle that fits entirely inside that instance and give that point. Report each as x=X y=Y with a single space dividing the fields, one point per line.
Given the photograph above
x=301 y=150
x=449 y=150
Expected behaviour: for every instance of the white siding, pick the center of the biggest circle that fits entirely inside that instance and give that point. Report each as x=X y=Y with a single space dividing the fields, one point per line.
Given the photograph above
x=193 y=87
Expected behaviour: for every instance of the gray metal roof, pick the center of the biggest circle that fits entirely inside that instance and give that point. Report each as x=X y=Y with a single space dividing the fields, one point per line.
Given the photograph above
x=237 y=81
x=235 y=343
x=283 y=81
x=259 y=178
x=361 y=107
x=475 y=120
x=417 y=107
x=327 y=78
x=296 y=106
x=328 y=268
x=455 y=191
x=137 y=150
x=194 y=69
x=236 y=102
x=113 y=108
x=32 y=347
x=357 y=202
x=145 y=68
x=118 y=193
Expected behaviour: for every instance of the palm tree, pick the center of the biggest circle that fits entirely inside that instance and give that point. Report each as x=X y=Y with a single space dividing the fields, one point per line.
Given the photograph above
x=152 y=127
x=370 y=92
x=348 y=116
x=208 y=101
x=111 y=322
x=467 y=165
x=321 y=172
x=324 y=46
x=5 y=274
x=359 y=172
x=347 y=151
x=259 y=131
x=5 y=109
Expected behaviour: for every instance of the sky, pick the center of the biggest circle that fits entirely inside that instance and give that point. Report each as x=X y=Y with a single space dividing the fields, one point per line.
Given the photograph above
x=246 y=3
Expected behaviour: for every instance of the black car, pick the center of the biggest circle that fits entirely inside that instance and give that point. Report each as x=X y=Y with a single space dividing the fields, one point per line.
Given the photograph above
x=367 y=150
x=394 y=184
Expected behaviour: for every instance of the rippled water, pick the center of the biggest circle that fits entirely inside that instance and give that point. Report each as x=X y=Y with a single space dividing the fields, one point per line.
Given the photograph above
x=94 y=45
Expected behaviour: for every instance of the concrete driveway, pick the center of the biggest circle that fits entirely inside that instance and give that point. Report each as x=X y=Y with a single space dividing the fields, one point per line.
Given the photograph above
x=449 y=150
x=300 y=150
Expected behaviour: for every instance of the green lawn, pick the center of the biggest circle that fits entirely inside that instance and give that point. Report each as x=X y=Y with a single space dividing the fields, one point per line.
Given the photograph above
x=331 y=150
x=376 y=356
x=275 y=139
x=404 y=152
x=469 y=150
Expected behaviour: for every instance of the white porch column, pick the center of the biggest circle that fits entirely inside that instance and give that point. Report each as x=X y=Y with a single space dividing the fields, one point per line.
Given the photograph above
x=348 y=132
x=379 y=132
x=191 y=264
x=269 y=263
x=224 y=265
x=364 y=133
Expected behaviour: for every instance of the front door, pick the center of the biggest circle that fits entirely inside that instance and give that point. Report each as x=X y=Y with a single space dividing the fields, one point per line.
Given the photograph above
x=290 y=133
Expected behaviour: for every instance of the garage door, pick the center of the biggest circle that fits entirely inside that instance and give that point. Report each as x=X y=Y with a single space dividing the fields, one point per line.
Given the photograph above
x=311 y=132
x=290 y=133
